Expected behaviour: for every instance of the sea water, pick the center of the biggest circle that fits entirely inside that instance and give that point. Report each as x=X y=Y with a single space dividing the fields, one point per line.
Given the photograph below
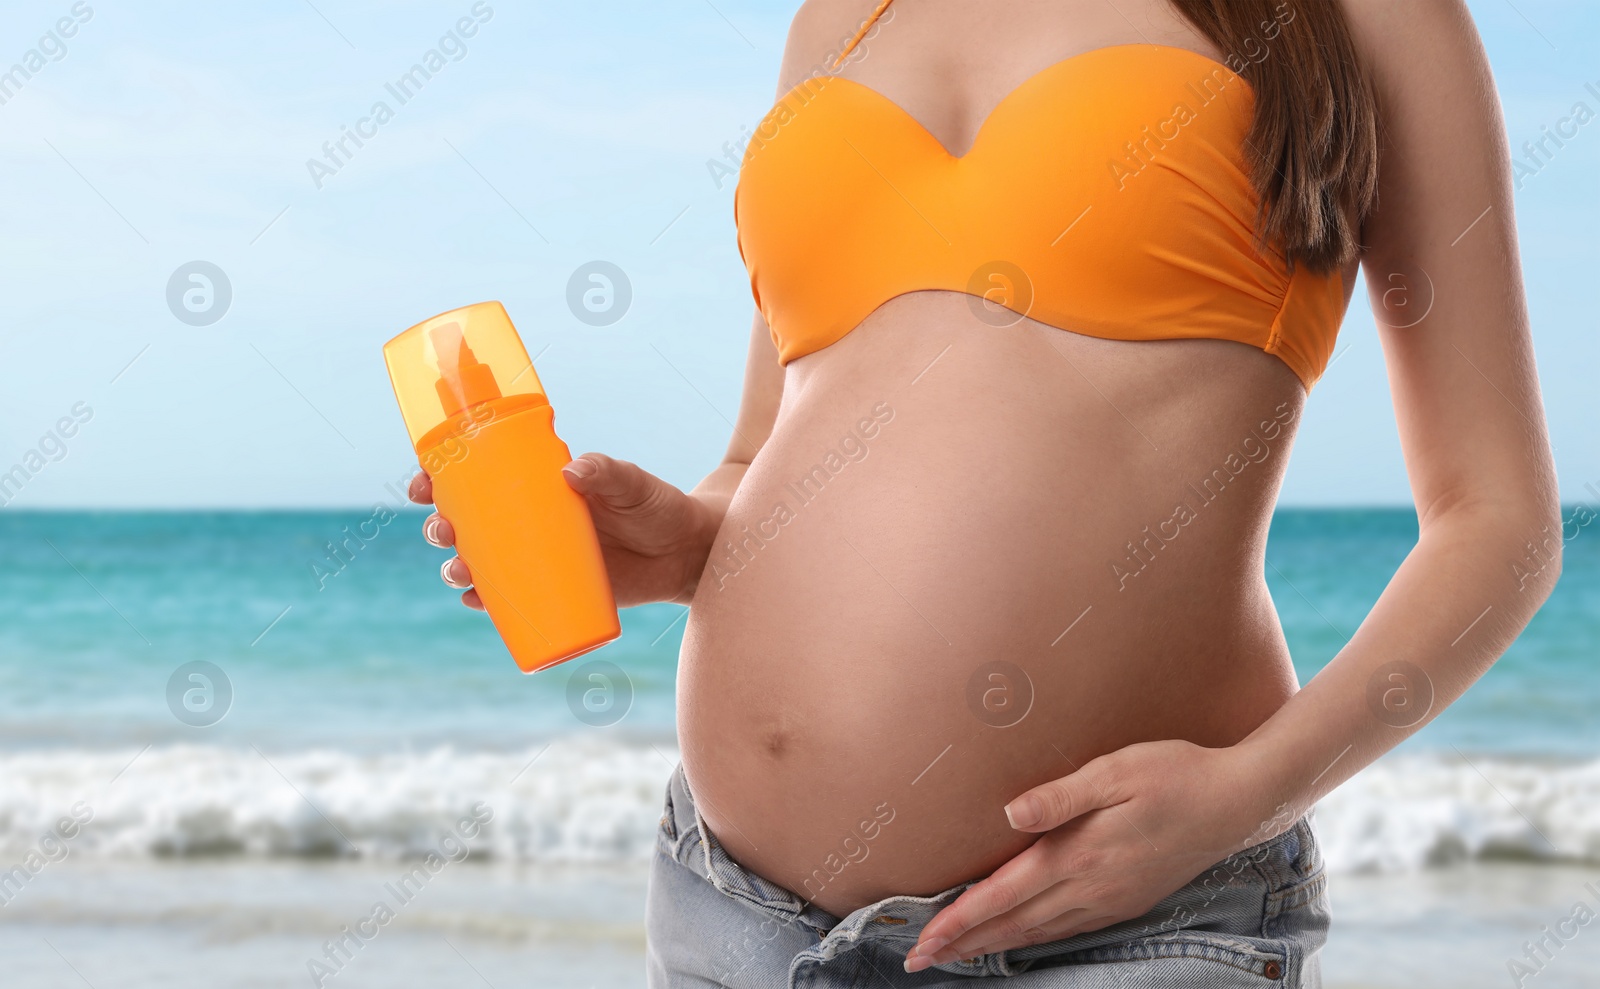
x=364 y=714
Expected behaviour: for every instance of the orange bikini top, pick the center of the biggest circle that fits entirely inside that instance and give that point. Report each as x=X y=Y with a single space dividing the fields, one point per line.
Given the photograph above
x=1107 y=195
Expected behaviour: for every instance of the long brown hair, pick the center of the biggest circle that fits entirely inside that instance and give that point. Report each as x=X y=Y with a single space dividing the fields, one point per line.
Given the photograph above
x=1313 y=143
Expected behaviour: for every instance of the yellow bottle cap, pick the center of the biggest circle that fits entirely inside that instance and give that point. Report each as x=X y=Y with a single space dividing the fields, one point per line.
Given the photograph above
x=456 y=361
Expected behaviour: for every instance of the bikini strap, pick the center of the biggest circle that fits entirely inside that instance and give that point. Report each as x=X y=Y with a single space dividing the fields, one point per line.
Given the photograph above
x=883 y=5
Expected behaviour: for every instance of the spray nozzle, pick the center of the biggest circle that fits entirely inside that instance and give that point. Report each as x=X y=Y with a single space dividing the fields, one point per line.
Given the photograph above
x=463 y=380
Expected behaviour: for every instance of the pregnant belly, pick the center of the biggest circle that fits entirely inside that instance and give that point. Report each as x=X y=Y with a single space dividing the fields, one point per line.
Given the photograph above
x=968 y=560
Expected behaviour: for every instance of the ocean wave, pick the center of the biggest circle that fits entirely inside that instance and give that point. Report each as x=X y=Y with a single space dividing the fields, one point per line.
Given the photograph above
x=1406 y=813
x=584 y=801
x=575 y=801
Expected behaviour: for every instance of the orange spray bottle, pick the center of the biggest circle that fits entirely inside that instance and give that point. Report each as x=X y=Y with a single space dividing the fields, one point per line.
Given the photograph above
x=484 y=431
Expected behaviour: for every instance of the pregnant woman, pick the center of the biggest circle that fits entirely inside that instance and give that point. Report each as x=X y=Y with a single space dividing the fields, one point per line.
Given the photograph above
x=981 y=681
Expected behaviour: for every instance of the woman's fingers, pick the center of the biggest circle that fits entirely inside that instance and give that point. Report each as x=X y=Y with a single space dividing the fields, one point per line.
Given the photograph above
x=438 y=531
x=1011 y=885
x=1046 y=917
x=617 y=482
x=1055 y=932
x=1050 y=805
x=420 y=490
x=454 y=572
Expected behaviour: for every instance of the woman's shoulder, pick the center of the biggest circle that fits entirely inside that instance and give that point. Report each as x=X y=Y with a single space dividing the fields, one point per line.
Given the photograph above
x=1418 y=47
x=819 y=33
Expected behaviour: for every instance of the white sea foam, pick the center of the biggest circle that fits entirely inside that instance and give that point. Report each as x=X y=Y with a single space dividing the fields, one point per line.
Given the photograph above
x=587 y=801
x=1411 y=812
x=577 y=801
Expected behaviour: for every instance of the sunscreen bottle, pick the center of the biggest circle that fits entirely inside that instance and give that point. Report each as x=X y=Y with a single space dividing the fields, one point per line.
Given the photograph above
x=484 y=432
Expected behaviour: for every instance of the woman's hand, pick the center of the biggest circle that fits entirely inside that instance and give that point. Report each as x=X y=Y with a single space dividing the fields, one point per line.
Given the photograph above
x=1119 y=835
x=654 y=537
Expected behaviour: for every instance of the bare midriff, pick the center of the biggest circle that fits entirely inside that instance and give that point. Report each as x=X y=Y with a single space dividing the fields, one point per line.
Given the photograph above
x=969 y=559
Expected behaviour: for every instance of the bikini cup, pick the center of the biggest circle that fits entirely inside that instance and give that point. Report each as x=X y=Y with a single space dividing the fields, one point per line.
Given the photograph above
x=1106 y=195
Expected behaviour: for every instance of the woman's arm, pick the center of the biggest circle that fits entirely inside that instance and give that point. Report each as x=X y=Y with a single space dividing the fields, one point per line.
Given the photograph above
x=758 y=410
x=656 y=538
x=1489 y=549
x=1466 y=397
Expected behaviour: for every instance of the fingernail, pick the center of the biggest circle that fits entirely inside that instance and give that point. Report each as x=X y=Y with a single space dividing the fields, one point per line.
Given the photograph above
x=579 y=468
x=916 y=963
x=921 y=956
x=430 y=530
x=1024 y=812
x=447 y=573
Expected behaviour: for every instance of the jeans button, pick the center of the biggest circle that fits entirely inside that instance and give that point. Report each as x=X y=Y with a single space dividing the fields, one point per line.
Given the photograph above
x=1273 y=971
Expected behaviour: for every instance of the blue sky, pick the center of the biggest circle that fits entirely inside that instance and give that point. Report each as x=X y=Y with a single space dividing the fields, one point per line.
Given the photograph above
x=161 y=134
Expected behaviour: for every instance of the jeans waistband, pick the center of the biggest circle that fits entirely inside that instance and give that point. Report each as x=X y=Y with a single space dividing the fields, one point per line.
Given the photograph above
x=897 y=921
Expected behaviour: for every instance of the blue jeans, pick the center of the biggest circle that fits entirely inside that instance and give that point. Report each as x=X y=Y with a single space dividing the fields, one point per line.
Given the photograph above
x=1258 y=918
